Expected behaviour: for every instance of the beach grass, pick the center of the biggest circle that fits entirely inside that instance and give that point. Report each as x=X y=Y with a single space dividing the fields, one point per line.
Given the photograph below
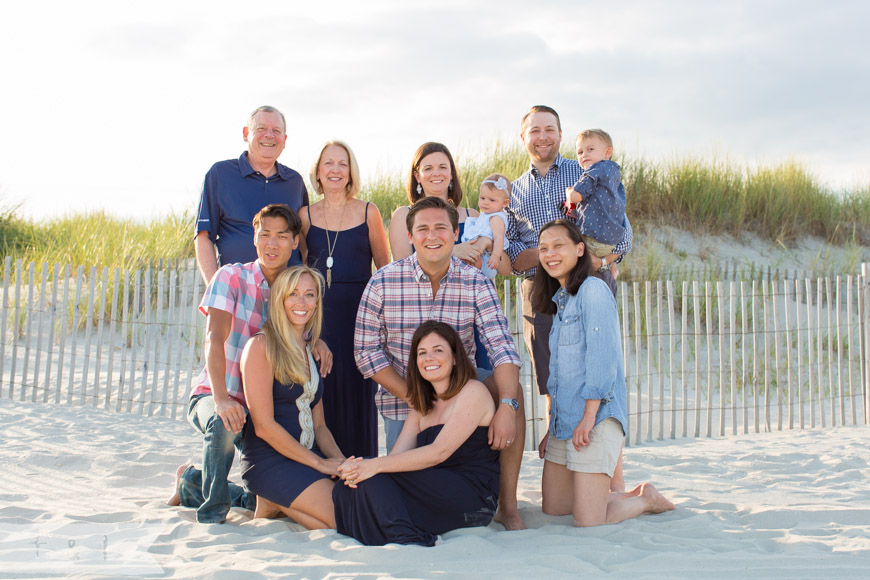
x=779 y=202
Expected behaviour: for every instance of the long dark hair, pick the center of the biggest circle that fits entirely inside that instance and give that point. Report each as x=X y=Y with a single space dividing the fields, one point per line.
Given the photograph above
x=545 y=286
x=421 y=393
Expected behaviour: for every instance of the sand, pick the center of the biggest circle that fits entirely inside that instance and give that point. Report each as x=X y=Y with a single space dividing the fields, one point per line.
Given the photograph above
x=83 y=496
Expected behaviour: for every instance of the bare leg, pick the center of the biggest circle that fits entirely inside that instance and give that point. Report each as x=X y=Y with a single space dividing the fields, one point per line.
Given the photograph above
x=594 y=506
x=557 y=490
x=312 y=508
x=175 y=499
x=511 y=459
x=266 y=509
x=617 y=482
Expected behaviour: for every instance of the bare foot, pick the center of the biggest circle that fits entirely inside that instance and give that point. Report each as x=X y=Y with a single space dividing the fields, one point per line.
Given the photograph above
x=266 y=509
x=511 y=522
x=657 y=503
x=175 y=499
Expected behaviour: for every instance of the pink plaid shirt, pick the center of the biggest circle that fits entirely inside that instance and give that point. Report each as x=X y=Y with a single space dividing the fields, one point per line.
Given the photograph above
x=241 y=290
x=398 y=299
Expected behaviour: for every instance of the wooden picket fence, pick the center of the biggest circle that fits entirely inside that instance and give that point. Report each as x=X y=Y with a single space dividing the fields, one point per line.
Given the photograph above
x=703 y=358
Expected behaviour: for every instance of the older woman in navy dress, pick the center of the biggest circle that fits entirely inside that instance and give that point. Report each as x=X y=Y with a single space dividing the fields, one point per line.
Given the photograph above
x=441 y=474
x=288 y=453
x=343 y=236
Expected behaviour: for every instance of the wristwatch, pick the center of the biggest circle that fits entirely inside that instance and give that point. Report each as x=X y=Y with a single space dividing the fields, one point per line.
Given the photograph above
x=512 y=402
x=603 y=267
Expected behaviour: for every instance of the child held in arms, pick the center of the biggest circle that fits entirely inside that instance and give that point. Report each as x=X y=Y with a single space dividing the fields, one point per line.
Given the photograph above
x=486 y=232
x=597 y=200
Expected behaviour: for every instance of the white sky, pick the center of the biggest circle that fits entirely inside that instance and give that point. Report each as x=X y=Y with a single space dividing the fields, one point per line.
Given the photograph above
x=124 y=107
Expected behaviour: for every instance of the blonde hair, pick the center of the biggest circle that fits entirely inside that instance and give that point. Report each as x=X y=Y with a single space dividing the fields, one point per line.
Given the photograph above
x=353 y=183
x=600 y=133
x=288 y=356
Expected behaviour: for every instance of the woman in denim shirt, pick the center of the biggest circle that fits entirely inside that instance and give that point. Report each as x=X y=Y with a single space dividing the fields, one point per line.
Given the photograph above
x=587 y=388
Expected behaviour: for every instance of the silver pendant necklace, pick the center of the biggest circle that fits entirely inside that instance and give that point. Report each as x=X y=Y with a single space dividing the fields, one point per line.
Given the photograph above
x=330 y=246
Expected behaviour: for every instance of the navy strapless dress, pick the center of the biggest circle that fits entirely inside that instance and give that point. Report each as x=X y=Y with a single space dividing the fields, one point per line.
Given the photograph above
x=413 y=507
x=348 y=399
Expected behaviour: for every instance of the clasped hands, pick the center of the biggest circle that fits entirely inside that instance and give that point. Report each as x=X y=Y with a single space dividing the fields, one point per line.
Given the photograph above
x=355 y=470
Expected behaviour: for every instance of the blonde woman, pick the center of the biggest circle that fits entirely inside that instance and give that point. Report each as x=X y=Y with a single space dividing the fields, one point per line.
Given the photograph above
x=288 y=453
x=344 y=235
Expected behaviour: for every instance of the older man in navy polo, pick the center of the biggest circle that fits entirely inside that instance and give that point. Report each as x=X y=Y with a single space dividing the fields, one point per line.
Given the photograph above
x=236 y=189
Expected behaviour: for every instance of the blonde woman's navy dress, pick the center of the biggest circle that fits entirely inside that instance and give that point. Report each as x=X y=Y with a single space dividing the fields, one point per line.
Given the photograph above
x=268 y=473
x=413 y=507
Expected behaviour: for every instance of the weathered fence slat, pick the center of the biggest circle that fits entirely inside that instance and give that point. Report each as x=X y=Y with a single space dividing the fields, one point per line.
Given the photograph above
x=636 y=290
x=661 y=360
x=134 y=339
x=39 y=330
x=100 y=312
x=113 y=331
x=29 y=326
x=60 y=348
x=671 y=382
x=75 y=325
x=52 y=324
x=15 y=331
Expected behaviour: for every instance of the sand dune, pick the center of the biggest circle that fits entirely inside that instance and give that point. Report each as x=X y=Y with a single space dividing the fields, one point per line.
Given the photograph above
x=779 y=505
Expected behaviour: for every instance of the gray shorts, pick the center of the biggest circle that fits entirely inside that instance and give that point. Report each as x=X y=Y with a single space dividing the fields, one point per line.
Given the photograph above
x=600 y=456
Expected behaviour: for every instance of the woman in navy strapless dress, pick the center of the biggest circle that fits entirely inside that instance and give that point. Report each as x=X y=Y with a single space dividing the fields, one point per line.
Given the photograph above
x=344 y=235
x=441 y=475
x=288 y=453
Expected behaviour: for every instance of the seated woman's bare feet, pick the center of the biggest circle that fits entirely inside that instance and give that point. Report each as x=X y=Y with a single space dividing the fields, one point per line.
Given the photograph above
x=175 y=499
x=266 y=509
x=656 y=502
x=511 y=522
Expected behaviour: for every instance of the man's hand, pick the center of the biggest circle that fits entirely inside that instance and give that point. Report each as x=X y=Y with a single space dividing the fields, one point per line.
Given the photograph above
x=231 y=413
x=502 y=428
x=323 y=355
x=582 y=430
x=467 y=252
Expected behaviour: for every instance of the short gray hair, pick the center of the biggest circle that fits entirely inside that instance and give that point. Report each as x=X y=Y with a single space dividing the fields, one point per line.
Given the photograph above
x=266 y=109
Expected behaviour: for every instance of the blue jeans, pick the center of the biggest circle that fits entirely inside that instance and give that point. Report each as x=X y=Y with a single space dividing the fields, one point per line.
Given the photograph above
x=209 y=491
x=392 y=428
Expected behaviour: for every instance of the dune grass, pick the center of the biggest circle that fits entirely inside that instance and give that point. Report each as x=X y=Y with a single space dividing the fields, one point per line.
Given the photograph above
x=97 y=239
x=779 y=202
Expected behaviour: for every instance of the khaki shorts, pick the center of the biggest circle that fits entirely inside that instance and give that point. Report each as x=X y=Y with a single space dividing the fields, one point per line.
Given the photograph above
x=597 y=248
x=600 y=456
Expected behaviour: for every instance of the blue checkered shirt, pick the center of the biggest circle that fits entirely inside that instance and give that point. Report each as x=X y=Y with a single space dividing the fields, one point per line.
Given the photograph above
x=536 y=200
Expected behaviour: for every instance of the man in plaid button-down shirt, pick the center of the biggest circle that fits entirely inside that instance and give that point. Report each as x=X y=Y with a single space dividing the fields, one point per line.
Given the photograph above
x=235 y=304
x=431 y=284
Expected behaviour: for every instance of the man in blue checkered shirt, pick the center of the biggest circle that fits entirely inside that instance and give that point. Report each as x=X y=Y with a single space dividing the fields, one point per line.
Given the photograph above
x=537 y=198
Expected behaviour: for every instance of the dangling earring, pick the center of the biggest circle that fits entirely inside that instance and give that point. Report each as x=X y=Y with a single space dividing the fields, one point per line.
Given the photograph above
x=450 y=185
x=419 y=188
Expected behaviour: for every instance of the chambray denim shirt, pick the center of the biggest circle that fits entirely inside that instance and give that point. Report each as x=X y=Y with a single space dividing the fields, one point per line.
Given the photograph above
x=585 y=358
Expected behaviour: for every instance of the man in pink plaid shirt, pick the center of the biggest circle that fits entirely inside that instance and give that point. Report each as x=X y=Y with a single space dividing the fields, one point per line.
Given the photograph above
x=431 y=284
x=235 y=303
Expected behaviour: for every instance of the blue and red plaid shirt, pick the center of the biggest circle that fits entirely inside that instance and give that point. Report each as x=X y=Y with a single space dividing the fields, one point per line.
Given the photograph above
x=398 y=299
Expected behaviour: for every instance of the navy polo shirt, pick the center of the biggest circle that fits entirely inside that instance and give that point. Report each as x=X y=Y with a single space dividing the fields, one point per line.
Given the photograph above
x=232 y=194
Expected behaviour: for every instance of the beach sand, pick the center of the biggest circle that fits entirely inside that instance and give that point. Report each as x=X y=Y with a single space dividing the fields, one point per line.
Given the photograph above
x=83 y=495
